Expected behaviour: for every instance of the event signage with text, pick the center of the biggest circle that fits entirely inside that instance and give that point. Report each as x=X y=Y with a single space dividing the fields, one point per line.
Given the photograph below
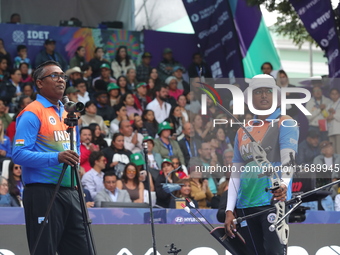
x=318 y=18
x=214 y=26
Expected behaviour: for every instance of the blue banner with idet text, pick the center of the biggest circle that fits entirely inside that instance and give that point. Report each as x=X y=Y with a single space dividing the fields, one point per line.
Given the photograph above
x=318 y=18
x=214 y=26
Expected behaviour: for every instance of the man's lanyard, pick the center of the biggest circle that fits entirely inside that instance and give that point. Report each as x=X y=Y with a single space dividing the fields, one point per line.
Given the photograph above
x=188 y=147
x=168 y=146
x=198 y=70
x=53 y=57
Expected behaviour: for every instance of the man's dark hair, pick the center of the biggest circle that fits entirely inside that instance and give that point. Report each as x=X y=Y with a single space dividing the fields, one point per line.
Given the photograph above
x=196 y=54
x=117 y=107
x=40 y=71
x=157 y=89
x=79 y=81
x=85 y=67
x=12 y=71
x=15 y=14
x=21 y=100
x=88 y=103
x=21 y=47
x=95 y=155
x=84 y=128
x=267 y=63
x=24 y=63
x=109 y=173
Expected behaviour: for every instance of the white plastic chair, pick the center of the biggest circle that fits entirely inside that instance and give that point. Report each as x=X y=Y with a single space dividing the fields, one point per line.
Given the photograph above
x=108 y=140
x=5 y=168
x=153 y=197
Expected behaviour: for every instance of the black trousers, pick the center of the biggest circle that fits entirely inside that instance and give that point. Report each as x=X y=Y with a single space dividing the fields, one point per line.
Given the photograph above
x=259 y=239
x=64 y=232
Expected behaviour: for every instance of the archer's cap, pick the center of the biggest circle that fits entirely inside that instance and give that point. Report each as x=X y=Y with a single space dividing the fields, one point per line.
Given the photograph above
x=262 y=81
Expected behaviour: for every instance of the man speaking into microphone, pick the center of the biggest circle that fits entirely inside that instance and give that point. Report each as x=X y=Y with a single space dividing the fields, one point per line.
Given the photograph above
x=41 y=146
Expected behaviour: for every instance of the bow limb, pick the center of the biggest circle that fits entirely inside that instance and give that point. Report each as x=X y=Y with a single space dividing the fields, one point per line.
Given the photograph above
x=281 y=227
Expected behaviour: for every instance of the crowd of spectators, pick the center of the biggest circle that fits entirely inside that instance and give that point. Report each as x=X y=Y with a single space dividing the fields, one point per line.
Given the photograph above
x=129 y=103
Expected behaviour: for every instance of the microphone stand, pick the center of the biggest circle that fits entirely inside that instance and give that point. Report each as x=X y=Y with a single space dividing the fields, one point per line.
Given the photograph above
x=148 y=175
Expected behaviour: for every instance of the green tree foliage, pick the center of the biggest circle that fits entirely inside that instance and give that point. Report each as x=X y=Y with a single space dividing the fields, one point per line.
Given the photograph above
x=288 y=22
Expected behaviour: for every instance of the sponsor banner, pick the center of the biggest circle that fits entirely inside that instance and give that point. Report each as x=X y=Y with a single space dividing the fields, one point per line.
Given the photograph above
x=214 y=27
x=318 y=18
x=68 y=39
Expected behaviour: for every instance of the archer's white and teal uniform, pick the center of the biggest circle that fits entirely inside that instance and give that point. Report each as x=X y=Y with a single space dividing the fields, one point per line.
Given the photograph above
x=273 y=134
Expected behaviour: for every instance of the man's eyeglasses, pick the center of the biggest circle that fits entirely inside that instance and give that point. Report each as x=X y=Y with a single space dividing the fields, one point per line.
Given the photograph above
x=55 y=77
x=258 y=92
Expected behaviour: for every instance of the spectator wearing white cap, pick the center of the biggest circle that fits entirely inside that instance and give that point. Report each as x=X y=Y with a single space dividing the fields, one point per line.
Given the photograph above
x=73 y=74
x=174 y=91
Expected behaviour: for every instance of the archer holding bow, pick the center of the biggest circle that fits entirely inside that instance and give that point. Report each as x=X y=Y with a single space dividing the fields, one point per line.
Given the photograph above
x=278 y=135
